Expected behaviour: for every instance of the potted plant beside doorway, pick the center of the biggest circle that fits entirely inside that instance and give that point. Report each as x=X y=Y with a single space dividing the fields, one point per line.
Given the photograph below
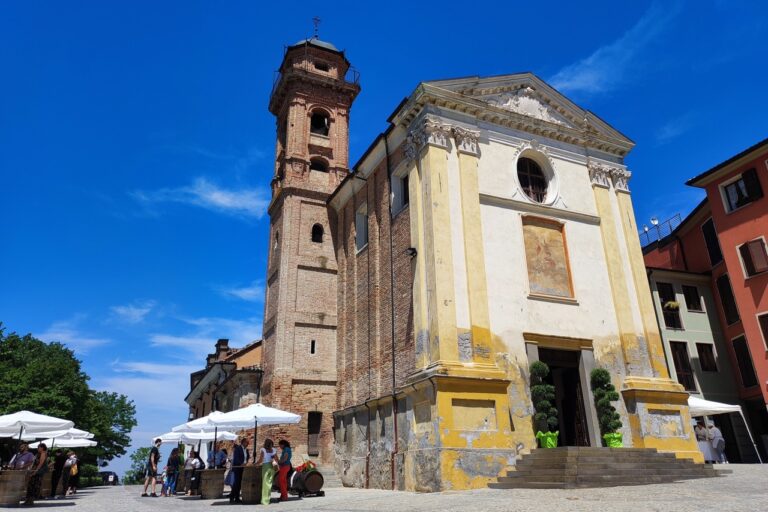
x=543 y=396
x=605 y=393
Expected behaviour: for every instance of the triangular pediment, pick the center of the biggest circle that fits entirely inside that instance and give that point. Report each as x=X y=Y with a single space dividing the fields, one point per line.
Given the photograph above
x=527 y=95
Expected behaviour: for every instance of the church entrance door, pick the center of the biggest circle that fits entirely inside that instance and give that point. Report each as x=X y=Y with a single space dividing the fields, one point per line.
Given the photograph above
x=569 y=395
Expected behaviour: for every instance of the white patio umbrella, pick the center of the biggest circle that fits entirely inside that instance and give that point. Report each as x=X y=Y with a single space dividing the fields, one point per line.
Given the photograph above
x=195 y=437
x=204 y=424
x=255 y=414
x=19 y=422
x=701 y=407
x=74 y=433
x=65 y=442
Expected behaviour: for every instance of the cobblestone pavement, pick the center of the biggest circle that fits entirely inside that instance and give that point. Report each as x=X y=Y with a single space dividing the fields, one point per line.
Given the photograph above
x=744 y=490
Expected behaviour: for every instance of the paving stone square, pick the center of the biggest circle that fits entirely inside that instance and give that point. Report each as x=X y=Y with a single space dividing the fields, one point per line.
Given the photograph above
x=746 y=489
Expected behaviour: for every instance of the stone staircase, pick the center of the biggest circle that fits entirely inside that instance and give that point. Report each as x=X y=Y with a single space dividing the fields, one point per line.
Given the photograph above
x=330 y=478
x=571 y=467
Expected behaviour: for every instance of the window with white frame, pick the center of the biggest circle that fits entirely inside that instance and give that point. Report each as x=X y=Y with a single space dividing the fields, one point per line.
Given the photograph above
x=361 y=227
x=754 y=257
x=400 y=193
x=762 y=320
x=742 y=190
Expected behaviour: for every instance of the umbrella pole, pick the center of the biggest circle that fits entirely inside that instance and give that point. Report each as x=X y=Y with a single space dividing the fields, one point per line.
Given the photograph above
x=21 y=431
x=255 y=434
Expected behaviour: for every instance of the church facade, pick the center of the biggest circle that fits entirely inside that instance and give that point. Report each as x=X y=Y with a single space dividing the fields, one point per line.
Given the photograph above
x=490 y=226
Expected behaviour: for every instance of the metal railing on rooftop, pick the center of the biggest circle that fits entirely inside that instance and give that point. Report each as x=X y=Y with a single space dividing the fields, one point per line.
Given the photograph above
x=659 y=230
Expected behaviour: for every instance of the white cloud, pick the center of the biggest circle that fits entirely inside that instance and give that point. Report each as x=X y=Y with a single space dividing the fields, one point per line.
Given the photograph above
x=674 y=128
x=67 y=333
x=612 y=64
x=242 y=202
x=252 y=293
x=204 y=333
x=133 y=313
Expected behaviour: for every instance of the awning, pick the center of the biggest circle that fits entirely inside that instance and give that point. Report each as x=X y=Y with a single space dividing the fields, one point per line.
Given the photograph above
x=701 y=407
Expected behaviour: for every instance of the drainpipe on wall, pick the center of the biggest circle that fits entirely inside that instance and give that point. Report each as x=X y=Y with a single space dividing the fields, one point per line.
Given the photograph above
x=368 y=452
x=392 y=312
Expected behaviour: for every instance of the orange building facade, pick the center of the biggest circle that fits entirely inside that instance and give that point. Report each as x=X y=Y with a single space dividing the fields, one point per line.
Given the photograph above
x=726 y=236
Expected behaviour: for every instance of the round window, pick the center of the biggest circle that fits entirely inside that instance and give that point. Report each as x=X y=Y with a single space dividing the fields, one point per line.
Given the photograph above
x=532 y=179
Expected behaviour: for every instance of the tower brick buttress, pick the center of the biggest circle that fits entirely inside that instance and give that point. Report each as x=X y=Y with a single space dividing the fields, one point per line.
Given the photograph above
x=311 y=101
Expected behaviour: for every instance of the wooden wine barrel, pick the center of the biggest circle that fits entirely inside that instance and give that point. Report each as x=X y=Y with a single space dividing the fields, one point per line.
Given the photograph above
x=251 y=489
x=45 y=486
x=310 y=482
x=13 y=487
x=211 y=484
x=180 y=483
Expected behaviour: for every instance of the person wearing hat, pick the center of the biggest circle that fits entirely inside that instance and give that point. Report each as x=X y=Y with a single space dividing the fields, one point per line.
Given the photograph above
x=151 y=474
x=718 y=443
x=704 y=441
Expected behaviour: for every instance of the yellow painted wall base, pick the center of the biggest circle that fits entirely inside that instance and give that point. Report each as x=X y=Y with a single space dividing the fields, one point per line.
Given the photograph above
x=659 y=416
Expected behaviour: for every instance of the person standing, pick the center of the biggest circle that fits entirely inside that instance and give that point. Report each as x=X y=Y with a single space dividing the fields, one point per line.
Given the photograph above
x=58 y=467
x=285 y=467
x=268 y=461
x=718 y=443
x=38 y=470
x=23 y=459
x=66 y=475
x=239 y=458
x=189 y=470
x=703 y=439
x=151 y=472
x=172 y=471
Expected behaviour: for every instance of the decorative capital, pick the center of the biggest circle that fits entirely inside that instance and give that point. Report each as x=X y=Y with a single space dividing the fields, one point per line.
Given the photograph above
x=466 y=140
x=599 y=175
x=428 y=131
x=621 y=179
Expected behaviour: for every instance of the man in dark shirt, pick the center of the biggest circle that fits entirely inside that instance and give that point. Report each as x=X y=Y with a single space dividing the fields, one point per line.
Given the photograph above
x=151 y=475
x=58 y=467
x=240 y=456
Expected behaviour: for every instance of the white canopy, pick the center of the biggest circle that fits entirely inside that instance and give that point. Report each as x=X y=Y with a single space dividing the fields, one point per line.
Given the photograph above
x=251 y=415
x=65 y=442
x=199 y=424
x=701 y=407
x=194 y=437
x=74 y=433
x=13 y=424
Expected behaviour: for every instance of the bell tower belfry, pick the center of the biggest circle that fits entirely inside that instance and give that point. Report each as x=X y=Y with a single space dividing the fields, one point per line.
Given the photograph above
x=311 y=99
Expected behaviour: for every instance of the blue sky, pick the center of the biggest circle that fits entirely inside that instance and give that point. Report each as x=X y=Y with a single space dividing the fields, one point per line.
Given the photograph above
x=136 y=147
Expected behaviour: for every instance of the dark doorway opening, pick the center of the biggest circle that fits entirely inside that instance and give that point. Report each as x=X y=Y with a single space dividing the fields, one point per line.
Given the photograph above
x=313 y=430
x=569 y=395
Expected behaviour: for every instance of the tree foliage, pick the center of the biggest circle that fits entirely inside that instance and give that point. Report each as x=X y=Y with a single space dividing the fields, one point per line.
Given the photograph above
x=543 y=397
x=605 y=393
x=47 y=378
x=139 y=460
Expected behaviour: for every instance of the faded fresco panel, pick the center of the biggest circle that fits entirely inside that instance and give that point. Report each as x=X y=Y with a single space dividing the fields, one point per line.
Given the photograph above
x=545 y=254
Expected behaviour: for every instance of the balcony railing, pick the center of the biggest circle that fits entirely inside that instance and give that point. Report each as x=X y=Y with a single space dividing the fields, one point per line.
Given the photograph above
x=351 y=77
x=653 y=233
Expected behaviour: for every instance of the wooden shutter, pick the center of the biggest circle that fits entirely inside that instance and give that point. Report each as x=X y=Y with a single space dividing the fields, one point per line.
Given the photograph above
x=759 y=257
x=752 y=182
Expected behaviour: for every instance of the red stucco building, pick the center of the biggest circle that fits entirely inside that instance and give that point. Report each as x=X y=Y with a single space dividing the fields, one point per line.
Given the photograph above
x=725 y=236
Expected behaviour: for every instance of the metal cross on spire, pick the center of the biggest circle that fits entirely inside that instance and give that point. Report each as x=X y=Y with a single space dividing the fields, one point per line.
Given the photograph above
x=316 y=22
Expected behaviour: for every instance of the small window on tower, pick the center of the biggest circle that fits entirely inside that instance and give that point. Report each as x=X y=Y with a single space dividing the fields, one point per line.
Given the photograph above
x=312 y=347
x=320 y=123
x=322 y=66
x=318 y=164
x=317 y=233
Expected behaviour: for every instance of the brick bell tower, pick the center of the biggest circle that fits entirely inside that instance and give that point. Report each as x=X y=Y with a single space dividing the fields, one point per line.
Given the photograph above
x=311 y=100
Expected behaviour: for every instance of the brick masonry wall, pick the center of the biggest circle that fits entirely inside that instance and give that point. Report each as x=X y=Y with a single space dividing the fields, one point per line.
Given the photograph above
x=364 y=420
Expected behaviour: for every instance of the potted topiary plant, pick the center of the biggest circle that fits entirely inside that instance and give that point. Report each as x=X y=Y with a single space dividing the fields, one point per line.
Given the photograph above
x=543 y=396
x=605 y=393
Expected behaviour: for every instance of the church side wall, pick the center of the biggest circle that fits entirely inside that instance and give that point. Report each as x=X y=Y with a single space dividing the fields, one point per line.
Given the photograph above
x=365 y=421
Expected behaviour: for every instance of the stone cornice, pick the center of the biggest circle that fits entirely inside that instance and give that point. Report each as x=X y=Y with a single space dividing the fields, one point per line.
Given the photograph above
x=583 y=135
